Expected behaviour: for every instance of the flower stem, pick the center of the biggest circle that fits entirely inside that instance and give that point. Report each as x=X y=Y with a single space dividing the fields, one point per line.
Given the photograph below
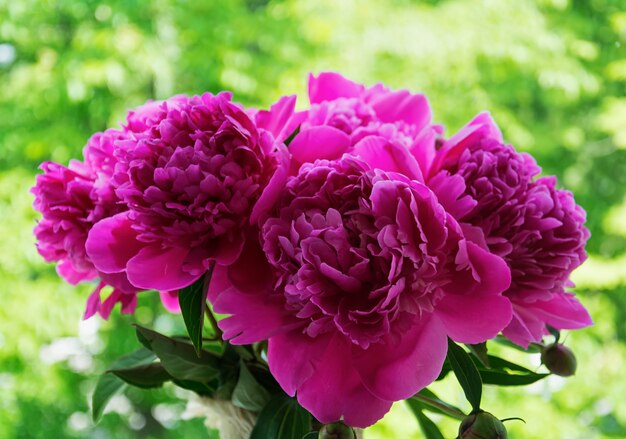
x=216 y=329
x=440 y=406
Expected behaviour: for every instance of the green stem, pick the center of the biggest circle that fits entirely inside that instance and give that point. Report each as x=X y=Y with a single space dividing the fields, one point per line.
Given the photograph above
x=216 y=329
x=457 y=414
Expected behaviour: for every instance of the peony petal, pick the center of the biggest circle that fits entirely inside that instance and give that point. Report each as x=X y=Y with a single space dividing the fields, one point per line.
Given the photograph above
x=67 y=271
x=254 y=317
x=112 y=242
x=473 y=318
x=397 y=368
x=154 y=268
x=319 y=142
x=482 y=127
x=118 y=281
x=562 y=311
x=93 y=302
x=294 y=356
x=274 y=187
x=170 y=302
x=277 y=118
x=523 y=330
x=251 y=273
x=379 y=153
x=328 y=86
x=402 y=106
x=479 y=272
x=334 y=389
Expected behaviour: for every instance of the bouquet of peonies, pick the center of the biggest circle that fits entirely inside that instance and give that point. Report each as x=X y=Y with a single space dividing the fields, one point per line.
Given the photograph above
x=345 y=251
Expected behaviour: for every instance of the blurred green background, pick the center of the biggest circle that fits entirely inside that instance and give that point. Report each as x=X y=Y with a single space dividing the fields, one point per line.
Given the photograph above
x=552 y=72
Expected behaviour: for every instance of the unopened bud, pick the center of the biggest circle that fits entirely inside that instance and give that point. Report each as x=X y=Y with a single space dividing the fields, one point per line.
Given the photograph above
x=482 y=425
x=338 y=430
x=559 y=360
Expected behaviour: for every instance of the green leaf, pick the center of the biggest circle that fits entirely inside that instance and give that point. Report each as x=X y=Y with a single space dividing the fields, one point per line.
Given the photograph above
x=108 y=385
x=146 y=376
x=480 y=351
x=466 y=373
x=292 y=136
x=282 y=418
x=311 y=435
x=427 y=426
x=437 y=405
x=179 y=358
x=192 y=300
x=248 y=393
x=532 y=348
x=505 y=373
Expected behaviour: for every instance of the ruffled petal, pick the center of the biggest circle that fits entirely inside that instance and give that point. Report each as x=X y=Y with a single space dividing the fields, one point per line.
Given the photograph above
x=329 y=86
x=402 y=106
x=112 y=242
x=253 y=316
x=154 y=268
x=319 y=142
x=473 y=318
x=399 y=367
x=379 y=153
x=277 y=118
x=334 y=390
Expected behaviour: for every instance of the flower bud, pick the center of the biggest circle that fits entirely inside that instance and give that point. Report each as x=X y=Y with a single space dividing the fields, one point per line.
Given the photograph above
x=482 y=425
x=559 y=360
x=338 y=430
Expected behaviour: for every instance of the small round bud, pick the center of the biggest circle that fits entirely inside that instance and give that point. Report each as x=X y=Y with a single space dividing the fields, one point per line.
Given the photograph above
x=338 y=430
x=482 y=425
x=559 y=360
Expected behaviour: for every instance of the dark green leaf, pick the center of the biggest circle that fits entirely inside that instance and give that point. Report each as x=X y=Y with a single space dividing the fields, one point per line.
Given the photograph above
x=311 y=435
x=146 y=376
x=282 y=418
x=466 y=373
x=438 y=405
x=532 y=348
x=108 y=385
x=480 y=351
x=180 y=359
x=202 y=389
x=505 y=373
x=192 y=300
x=427 y=426
x=248 y=393
x=507 y=379
x=292 y=136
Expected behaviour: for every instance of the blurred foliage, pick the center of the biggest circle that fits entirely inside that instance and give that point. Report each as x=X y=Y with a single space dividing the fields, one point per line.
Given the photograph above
x=552 y=72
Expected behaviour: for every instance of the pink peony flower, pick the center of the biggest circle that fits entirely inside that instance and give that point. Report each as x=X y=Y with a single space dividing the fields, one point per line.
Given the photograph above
x=72 y=199
x=538 y=230
x=361 y=278
x=193 y=172
x=375 y=124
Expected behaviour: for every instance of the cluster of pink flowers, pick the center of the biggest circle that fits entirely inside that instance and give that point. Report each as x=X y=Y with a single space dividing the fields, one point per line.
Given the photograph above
x=353 y=235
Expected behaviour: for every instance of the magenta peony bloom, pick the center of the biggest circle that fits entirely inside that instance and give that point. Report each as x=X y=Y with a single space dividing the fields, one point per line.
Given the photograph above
x=376 y=124
x=63 y=196
x=539 y=230
x=72 y=199
x=361 y=278
x=193 y=173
